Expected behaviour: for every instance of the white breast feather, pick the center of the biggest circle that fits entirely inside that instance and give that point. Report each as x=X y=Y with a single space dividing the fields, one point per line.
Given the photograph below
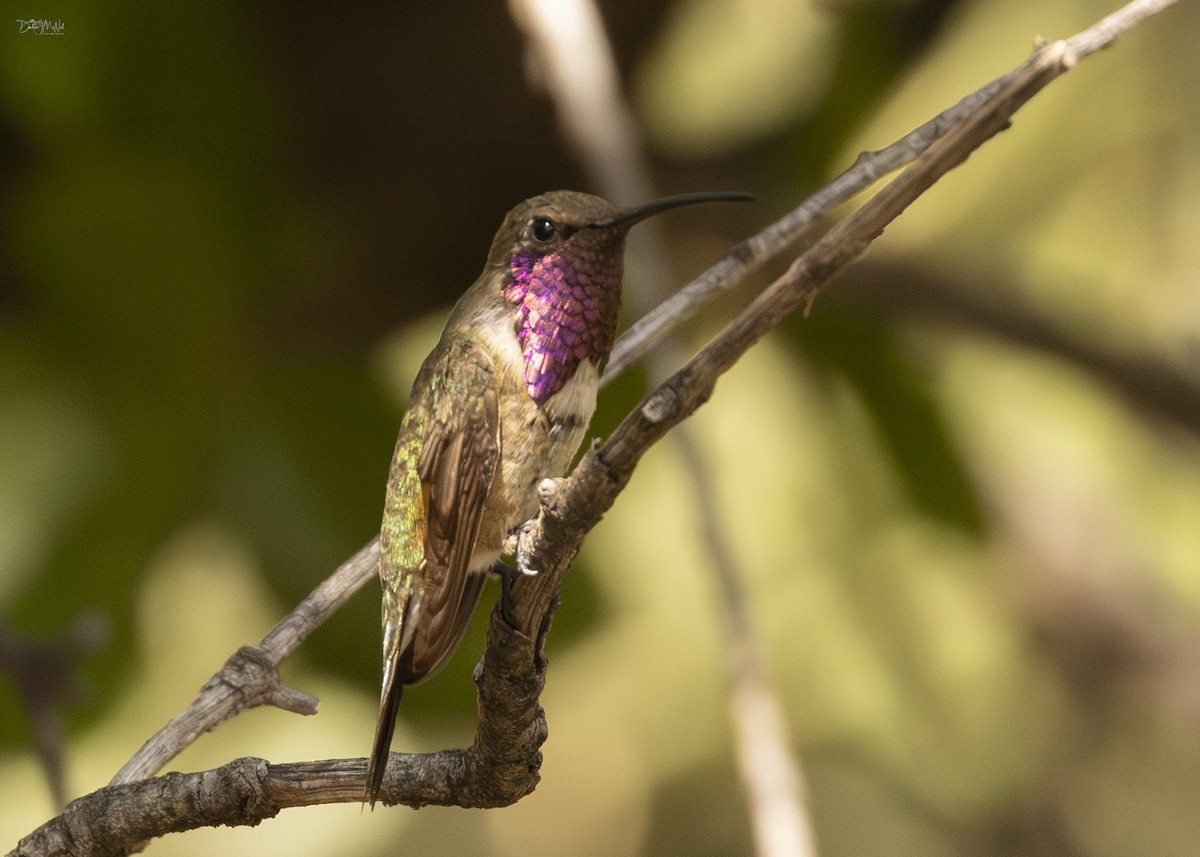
x=502 y=343
x=578 y=395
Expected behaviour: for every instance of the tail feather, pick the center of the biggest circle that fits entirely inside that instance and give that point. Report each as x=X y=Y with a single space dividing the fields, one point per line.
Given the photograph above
x=389 y=706
x=399 y=621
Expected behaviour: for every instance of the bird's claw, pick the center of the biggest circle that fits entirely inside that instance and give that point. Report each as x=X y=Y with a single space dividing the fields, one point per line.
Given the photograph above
x=522 y=539
x=519 y=543
x=516 y=544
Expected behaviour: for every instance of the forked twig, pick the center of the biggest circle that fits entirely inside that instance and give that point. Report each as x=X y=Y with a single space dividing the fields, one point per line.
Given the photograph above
x=502 y=764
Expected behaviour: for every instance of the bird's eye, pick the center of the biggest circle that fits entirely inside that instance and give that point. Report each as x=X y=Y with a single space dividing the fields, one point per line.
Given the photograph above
x=543 y=228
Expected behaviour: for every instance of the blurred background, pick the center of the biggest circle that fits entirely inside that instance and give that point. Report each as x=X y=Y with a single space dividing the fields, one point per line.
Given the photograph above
x=965 y=490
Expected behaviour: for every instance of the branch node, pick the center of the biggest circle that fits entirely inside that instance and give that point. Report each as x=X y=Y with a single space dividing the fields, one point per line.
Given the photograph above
x=1067 y=56
x=548 y=492
x=502 y=765
x=292 y=700
x=252 y=675
x=661 y=405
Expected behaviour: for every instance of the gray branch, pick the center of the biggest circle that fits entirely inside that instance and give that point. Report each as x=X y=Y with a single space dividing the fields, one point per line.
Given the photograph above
x=502 y=764
x=250 y=677
x=498 y=769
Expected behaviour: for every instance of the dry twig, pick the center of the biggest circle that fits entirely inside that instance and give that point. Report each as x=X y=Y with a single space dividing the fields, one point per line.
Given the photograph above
x=502 y=764
x=575 y=57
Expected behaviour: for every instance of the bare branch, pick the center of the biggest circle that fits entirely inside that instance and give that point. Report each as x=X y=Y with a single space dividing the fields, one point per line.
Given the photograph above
x=770 y=771
x=575 y=65
x=604 y=471
x=250 y=677
x=498 y=769
x=503 y=762
x=868 y=168
x=745 y=258
x=586 y=89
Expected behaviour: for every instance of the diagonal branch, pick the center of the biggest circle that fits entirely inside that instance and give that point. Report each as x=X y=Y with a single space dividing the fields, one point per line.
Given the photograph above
x=217 y=701
x=576 y=61
x=869 y=167
x=502 y=764
x=605 y=470
x=250 y=677
x=498 y=769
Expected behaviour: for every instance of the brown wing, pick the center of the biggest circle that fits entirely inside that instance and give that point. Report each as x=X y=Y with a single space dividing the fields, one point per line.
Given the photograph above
x=457 y=465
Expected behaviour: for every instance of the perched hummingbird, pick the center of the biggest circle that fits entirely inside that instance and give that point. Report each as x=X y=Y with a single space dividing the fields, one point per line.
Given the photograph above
x=502 y=402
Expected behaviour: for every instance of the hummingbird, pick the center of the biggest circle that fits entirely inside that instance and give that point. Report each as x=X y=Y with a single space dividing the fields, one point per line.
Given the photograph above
x=501 y=402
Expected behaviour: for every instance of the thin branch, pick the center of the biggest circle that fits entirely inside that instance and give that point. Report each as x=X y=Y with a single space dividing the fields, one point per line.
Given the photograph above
x=217 y=702
x=511 y=672
x=498 y=769
x=867 y=169
x=1106 y=31
x=575 y=65
x=770 y=772
x=575 y=58
x=250 y=677
x=604 y=471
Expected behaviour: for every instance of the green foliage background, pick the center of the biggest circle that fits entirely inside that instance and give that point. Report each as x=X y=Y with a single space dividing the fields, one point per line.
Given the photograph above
x=966 y=490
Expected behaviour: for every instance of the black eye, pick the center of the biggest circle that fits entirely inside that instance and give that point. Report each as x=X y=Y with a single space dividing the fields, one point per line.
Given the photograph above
x=543 y=228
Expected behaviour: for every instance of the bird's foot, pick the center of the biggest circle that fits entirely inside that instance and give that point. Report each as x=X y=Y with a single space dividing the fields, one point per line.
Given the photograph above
x=518 y=545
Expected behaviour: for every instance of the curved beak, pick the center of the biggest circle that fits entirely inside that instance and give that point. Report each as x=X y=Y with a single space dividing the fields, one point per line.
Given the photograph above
x=628 y=217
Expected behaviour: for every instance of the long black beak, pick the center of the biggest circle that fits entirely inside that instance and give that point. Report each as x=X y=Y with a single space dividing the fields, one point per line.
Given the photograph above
x=630 y=216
